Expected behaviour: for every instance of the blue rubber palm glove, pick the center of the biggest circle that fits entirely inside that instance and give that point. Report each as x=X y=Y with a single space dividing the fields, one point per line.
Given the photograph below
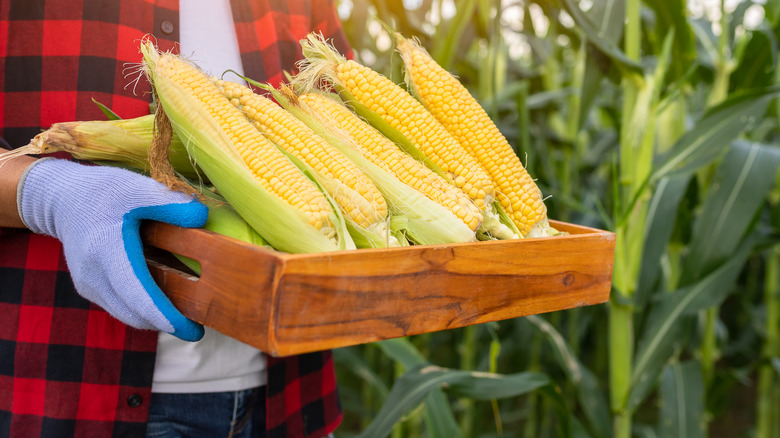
x=96 y=213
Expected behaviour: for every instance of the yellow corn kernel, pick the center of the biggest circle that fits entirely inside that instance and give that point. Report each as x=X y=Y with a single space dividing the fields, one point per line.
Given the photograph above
x=384 y=153
x=457 y=110
x=404 y=113
x=269 y=166
x=358 y=197
x=398 y=109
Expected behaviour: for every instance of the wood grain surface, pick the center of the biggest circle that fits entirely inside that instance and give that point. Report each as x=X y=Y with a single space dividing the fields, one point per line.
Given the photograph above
x=288 y=304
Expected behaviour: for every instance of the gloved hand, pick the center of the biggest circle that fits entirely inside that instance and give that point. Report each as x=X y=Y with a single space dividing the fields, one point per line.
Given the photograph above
x=96 y=213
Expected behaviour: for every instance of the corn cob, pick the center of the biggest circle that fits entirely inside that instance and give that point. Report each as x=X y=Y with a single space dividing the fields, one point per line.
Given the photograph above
x=119 y=142
x=400 y=110
x=457 y=110
x=269 y=167
x=384 y=153
x=258 y=180
x=353 y=191
x=413 y=215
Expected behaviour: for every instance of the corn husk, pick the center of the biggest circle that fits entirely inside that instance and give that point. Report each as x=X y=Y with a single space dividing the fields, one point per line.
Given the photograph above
x=375 y=233
x=122 y=143
x=283 y=226
x=319 y=65
x=420 y=219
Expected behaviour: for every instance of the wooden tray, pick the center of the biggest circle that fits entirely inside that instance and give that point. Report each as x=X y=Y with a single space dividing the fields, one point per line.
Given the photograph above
x=285 y=304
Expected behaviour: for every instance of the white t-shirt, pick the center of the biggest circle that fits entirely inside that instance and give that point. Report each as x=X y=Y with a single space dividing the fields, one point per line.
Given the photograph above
x=217 y=362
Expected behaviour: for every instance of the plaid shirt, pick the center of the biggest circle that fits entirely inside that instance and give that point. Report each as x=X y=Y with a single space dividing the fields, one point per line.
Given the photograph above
x=67 y=368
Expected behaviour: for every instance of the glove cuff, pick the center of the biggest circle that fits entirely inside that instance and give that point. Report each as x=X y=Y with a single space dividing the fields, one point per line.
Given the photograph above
x=20 y=187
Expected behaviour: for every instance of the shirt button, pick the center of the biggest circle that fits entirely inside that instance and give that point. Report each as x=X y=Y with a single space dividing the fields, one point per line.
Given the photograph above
x=134 y=401
x=167 y=27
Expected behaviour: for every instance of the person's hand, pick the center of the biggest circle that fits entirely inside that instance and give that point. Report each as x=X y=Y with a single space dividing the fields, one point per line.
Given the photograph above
x=96 y=213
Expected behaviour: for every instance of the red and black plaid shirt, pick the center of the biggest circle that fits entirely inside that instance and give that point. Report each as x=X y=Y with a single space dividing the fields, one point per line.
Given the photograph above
x=67 y=368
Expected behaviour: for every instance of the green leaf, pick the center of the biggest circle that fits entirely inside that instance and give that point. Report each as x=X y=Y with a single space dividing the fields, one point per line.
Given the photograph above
x=714 y=132
x=644 y=431
x=682 y=401
x=440 y=422
x=672 y=15
x=490 y=386
x=402 y=351
x=661 y=216
x=773 y=12
x=599 y=39
x=407 y=393
x=438 y=412
x=536 y=101
x=744 y=179
x=590 y=396
x=544 y=98
x=608 y=17
x=355 y=363
x=639 y=136
x=665 y=329
x=415 y=385
x=757 y=65
x=708 y=54
x=451 y=34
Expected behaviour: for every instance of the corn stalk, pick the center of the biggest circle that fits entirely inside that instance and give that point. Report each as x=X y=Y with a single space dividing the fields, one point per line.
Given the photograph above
x=635 y=158
x=619 y=135
x=768 y=422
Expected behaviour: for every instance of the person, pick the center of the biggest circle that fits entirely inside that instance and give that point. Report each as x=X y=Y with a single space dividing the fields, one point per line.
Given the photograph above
x=89 y=345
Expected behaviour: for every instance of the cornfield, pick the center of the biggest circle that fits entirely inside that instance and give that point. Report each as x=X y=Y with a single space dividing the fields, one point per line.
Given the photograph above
x=657 y=120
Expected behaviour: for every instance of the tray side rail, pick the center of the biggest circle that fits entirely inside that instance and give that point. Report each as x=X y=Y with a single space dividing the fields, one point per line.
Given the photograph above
x=287 y=304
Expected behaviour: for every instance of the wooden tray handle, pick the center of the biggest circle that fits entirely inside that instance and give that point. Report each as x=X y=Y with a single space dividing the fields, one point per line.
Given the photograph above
x=228 y=265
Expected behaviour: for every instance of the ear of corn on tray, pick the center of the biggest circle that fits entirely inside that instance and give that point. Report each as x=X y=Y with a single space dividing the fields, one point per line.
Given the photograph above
x=286 y=304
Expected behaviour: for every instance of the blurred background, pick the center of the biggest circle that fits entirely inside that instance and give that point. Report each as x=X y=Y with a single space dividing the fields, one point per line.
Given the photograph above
x=657 y=120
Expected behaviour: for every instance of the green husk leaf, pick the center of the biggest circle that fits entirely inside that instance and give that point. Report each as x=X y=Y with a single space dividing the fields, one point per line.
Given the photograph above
x=320 y=64
x=110 y=115
x=123 y=142
x=376 y=235
x=319 y=180
x=285 y=228
x=496 y=225
x=426 y=222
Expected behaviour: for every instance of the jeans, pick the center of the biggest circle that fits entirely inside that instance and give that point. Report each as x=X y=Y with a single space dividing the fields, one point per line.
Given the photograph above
x=239 y=414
